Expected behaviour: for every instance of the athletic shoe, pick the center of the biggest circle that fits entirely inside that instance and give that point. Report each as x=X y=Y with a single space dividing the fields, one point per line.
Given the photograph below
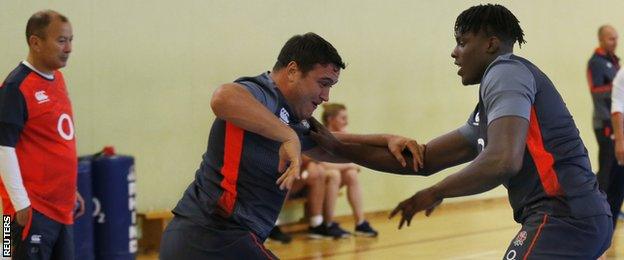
x=365 y=230
x=318 y=232
x=278 y=235
x=334 y=230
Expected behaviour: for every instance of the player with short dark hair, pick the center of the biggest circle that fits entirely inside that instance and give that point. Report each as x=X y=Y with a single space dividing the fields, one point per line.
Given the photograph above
x=253 y=155
x=520 y=135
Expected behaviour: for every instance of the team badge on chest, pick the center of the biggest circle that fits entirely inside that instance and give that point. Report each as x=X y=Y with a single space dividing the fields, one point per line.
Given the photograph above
x=41 y=97
x=284 y=116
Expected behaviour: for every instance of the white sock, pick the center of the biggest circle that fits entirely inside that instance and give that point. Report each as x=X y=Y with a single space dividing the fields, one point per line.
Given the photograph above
x=315 y=221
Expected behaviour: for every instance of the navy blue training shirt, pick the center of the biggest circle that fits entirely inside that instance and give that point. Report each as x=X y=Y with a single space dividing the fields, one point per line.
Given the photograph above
x=234 y=187
x=556 y=176
x=601 y=70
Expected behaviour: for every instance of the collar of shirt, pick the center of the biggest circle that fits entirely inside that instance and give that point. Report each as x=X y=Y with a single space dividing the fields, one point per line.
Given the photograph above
x=47 y=76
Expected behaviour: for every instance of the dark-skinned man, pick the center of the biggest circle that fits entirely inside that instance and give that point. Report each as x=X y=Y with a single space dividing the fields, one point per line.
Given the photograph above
x=520 y=135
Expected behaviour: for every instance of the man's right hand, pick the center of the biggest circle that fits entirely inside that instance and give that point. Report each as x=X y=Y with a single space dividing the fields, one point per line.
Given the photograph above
x=397 y=144
x=619 y=151
x=289 y=155
x=23 y=216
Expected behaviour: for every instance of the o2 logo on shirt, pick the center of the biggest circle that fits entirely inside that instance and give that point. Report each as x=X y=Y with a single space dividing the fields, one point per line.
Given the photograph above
x=65 y=119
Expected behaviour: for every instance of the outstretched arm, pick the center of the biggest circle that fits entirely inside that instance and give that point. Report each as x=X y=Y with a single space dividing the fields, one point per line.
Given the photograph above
x=501 y=159
x=443 y=152
x=395 y=144
x=617 y=120
x=369 y=139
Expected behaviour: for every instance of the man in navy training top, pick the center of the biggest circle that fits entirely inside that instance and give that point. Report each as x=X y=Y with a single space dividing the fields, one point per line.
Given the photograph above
x=253 y=155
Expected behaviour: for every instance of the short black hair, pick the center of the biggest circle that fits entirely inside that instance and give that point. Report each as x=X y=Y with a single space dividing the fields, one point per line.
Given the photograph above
x=494 y=20
x=307 y=50
x=39 y=21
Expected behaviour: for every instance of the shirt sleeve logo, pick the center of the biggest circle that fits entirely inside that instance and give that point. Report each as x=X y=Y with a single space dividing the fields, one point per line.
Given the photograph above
x=284 y=116
x=481 y=144
x=476 y=119
x=41 y=97
x=609 y=65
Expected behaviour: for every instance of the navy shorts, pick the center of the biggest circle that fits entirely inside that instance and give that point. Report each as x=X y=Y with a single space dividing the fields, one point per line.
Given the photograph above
x=184 y=239
x=42 y=238
x=549 y=237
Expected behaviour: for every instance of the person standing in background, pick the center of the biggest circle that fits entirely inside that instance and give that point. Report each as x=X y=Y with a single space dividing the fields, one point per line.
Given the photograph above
x=38 y=163
x=601 y=70
x=616 y=183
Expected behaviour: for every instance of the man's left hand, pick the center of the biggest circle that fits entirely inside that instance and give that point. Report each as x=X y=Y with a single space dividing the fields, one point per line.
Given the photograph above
x=422 y=200
x=81 y=207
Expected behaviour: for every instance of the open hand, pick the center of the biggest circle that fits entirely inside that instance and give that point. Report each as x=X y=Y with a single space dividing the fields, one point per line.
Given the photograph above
x=289 y=163
x=81 y=206
x=422 y=200
x=619 y=152
x=22 y=216
x=397 y=144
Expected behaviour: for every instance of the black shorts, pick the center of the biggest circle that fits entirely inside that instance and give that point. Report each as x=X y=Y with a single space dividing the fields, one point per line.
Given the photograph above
x=548 y=237
x=184 y=239
x=42 y=238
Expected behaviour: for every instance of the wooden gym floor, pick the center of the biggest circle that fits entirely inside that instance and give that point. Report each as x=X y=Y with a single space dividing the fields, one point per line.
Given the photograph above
x=463 y=230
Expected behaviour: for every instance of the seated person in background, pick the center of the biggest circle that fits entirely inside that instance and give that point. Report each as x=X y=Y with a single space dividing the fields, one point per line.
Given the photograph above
x=312 y=187
x=335 y=118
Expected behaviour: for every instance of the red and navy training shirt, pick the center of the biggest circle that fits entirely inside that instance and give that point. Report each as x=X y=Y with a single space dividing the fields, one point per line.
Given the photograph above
x=36 y=118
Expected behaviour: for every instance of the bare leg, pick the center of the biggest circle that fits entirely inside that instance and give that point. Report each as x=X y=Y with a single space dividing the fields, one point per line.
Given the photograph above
x=331 y=194
x=316 y=189
x=354 y=193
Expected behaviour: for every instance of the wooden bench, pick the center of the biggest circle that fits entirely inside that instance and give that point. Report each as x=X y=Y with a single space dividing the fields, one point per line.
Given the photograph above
x=152 y=225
